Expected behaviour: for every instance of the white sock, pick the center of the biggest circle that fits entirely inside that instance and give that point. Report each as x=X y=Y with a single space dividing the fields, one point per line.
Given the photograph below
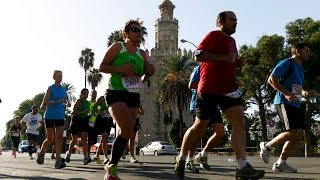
x=204 y=153
x=280 y=161
x=241 y=163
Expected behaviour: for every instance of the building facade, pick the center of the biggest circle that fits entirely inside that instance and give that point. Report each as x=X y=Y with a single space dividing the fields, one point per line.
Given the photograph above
x=166 y=43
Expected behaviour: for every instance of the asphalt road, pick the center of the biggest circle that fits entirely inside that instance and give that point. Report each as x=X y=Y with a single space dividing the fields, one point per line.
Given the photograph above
x=150 y=167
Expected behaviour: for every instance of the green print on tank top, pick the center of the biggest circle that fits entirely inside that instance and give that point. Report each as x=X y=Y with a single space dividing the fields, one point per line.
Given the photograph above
x=128 y=82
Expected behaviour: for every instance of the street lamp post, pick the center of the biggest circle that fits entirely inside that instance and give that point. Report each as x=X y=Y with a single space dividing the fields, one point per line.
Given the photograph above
x=185 y=41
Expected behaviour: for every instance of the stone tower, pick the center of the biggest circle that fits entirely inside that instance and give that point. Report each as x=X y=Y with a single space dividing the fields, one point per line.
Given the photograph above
x=166 y=29
x=166 y=43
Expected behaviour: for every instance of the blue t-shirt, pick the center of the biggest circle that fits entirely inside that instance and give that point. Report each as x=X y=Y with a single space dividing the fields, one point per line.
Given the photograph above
x=194 y=77
x=292 y=84
x=56 y=111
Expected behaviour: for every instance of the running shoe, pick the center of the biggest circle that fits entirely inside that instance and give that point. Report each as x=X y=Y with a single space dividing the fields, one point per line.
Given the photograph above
x=191 y=168
x=249 y=172
x=97 y=159
x=68 y=157
x=133 y=160
x=86 y=160
x=264 y=152
x=203 y=161
x=40 y=158
x=59 y=164
x=179 y=167
x=283 y=167
x=111 y=172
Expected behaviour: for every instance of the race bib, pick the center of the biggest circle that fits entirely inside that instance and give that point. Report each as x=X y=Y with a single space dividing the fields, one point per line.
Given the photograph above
x=297 y=90
x=131 y=83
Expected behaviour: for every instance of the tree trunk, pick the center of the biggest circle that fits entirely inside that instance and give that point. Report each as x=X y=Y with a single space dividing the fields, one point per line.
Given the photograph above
x=85 y=78
x=307 y=132
x=181 y=118
x=262 y=114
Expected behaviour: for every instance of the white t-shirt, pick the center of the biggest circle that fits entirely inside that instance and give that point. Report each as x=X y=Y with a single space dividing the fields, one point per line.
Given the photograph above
x=32 y=122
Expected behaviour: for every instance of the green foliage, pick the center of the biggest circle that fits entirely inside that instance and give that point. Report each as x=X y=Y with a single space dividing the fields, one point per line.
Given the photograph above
x=173 y=132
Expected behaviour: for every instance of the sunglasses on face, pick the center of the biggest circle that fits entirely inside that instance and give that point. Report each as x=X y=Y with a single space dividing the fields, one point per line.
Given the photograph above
x=136 y=30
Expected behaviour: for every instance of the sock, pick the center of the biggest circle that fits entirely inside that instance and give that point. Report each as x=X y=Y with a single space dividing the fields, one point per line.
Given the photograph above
x=280 y=161
x=189 y=159
x=30 y=150
x=204 y=153
x=241 y=163
x=118 y=147
x=268 y=146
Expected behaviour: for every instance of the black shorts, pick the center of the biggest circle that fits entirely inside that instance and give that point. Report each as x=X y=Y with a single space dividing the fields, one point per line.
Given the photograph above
x=51 y=123
x=131 y=99
x=92 y=135
x=291 y=117
x=103 y=125
x=207 y=105
x=33 y=137
x=137 y=125
x=15 y=141
x=79 y=125
x=216 y=117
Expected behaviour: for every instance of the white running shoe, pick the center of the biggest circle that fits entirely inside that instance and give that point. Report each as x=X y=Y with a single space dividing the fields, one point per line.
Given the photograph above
x=283 y=167
x=264 y=152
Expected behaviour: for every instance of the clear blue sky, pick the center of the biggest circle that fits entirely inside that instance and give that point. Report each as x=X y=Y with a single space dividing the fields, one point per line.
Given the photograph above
x=38 y=36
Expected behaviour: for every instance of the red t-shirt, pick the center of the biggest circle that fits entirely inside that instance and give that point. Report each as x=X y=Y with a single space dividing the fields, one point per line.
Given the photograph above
x=218 y=77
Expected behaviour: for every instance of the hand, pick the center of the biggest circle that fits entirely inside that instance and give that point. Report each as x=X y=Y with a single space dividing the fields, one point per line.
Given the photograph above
x=128 y=68
x=291 y=97
x=150 y=69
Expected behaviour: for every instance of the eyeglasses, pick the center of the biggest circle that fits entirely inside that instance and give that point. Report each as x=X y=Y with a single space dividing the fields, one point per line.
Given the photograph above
x=306 y=50
x=136 y=30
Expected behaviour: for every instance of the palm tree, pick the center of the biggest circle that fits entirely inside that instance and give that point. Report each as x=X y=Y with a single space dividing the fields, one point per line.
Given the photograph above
x=86 y=61
x=94 y=77
x=70 y=90
x=114 y=37
x=172 y=84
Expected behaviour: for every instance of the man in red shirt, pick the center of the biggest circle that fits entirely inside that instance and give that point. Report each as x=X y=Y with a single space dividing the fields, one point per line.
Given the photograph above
x=218 y=56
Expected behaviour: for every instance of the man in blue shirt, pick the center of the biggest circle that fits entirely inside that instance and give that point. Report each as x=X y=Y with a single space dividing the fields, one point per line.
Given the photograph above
x=287 y=105
x=215 y=123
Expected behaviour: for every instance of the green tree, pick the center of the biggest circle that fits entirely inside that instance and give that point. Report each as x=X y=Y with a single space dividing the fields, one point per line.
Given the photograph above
x=94 y=77
x=172 y=80
x=86 y=61
x=259 y=60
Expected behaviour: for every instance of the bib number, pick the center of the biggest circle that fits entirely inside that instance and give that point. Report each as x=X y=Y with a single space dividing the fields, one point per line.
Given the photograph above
x=131 y=83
